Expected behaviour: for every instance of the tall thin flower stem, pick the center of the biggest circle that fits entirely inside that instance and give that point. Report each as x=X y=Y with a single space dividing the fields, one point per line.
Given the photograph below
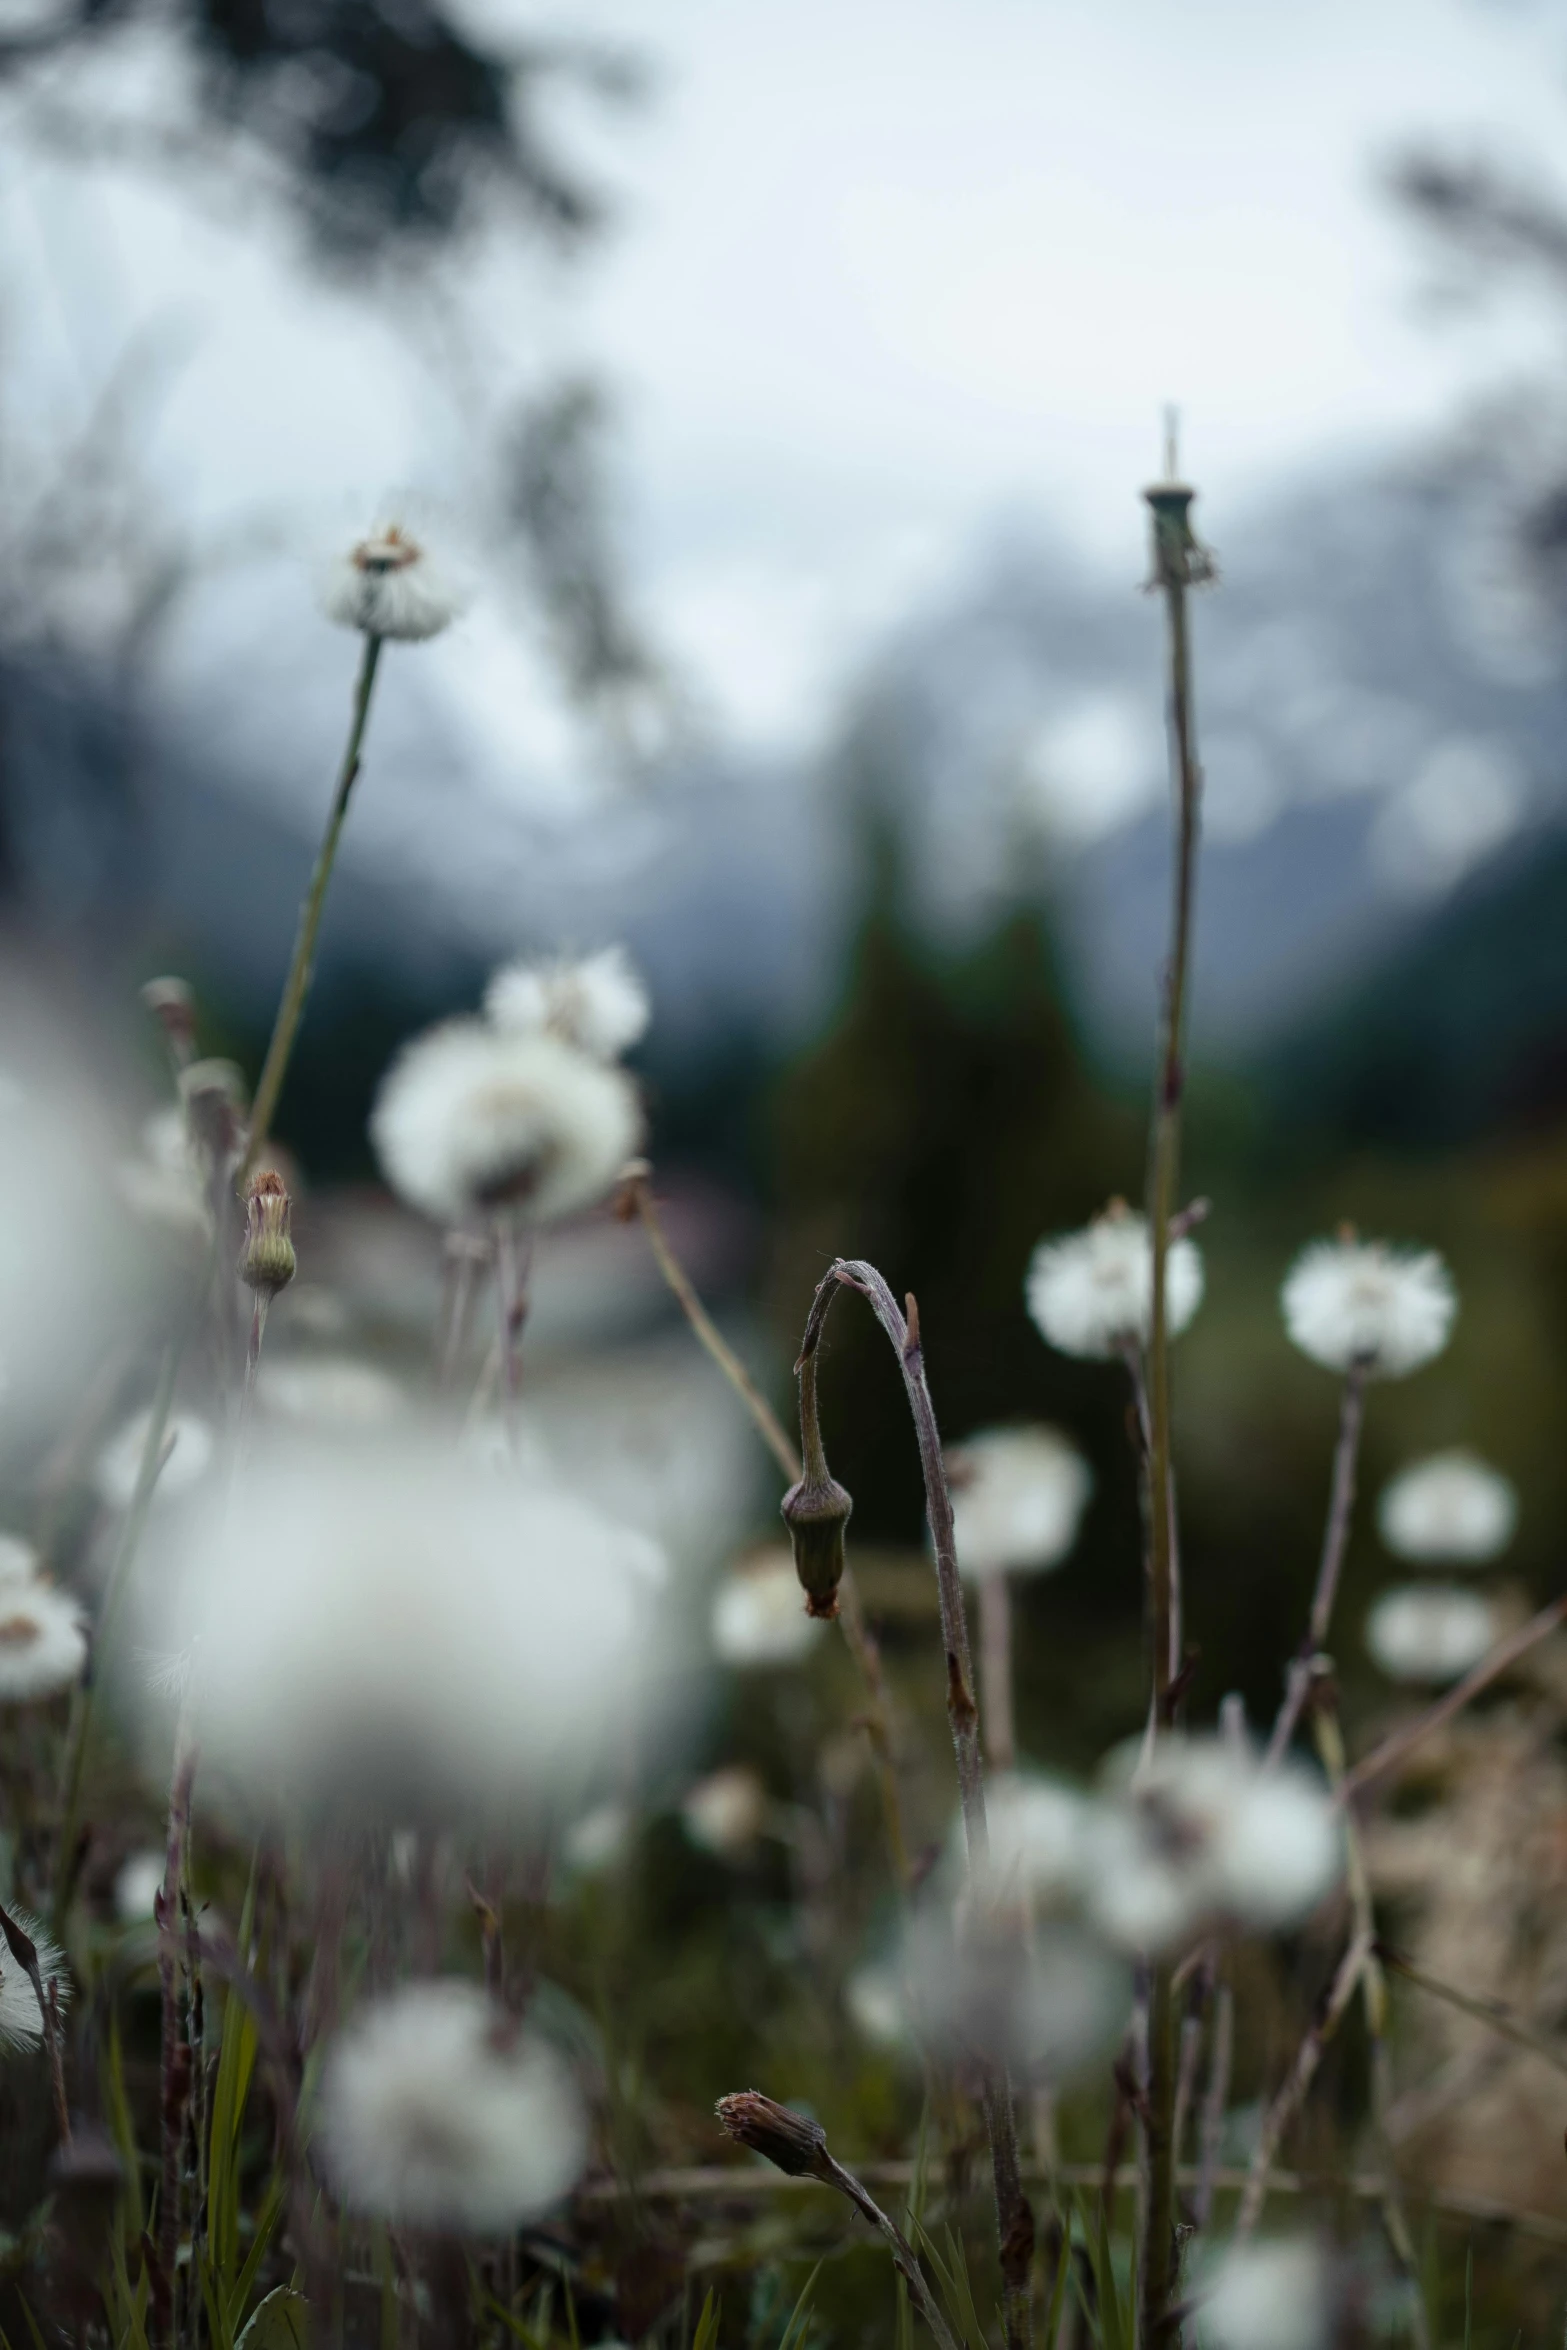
x=1014 y=2216
x=1178 y=565
x=636 y=1199
x=1401 y=1743
x=995 y=1669
x=1290 y=2098
x=296 y=987
x=1335 y=1541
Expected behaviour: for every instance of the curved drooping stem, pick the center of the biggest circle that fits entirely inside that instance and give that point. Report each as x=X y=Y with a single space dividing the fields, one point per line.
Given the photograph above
x=296 y=986
x=1014 y=2217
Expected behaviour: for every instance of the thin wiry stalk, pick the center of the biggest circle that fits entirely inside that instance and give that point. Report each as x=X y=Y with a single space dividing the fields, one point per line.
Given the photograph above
x=636 y=1199
x=1287 y=2103
x=1014 y=2217
x=296 y=987
x=1335 y=1541
x=1178 y=565
x=1216 y=2098
x=1400 y=1743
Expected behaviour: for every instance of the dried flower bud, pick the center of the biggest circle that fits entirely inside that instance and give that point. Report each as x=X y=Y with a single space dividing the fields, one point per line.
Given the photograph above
x=816 y=1512
x=789 y=2140
x=173 y=1006
x=266 y=1262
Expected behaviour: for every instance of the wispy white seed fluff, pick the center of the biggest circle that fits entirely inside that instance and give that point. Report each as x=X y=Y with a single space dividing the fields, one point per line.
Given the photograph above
x=388 y=584
x=877 y=2004
x=332 y=1393
x=759 y=1614
x=1266 y=2295
x=1364 y=1303
x=1091 y=1292
x=383 y=1630
x=166 y=1184
x=470 y=1119
x=1199 y=1832
x=599 y=1004
x=21 y=2023
x=1046 y=2002
x=1039 y=1833
x=43 y=1642
x=1017 y=1497
x=1429 y=1632
x=190 y=1443
x=724 y=1812
x=439 y=2111
x=1450 y=1507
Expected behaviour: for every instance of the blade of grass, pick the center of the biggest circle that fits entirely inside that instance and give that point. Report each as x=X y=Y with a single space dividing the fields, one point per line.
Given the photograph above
x=706 y=2334
x=794 y=2331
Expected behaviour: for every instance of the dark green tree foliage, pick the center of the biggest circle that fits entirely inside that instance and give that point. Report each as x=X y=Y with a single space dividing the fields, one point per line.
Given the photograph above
x=944 y=1125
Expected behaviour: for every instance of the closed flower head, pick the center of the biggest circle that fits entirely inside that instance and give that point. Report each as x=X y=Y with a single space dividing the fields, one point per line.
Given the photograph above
x=387 y=584
x=1429 y=1632
x=598 y=1004
x=1091 y=1292
x=1450 y=1507
x=1017 y=1497
x=472 y=1120
x=439 y=2111
x=1363 y=1305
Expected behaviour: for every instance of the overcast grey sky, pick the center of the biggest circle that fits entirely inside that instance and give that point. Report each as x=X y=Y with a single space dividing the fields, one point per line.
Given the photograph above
x=886 y=272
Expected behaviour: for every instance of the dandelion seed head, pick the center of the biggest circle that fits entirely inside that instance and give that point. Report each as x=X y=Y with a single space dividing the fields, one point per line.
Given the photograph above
x=599 y=1004
x=723 y=1813
x=21 y=2024
x=386 y=1635
x=1018 y=1495
x=19 y=1561
x=1266 y=2295
x=759 y=1614
x=187 y=1462
x=471 y=1119
x=438 y=2111
x=329 y=1392
x=1450 y=1506
x=1046 y=2002
x=1429 y=1632
x=43 y=1642
x=597 y=1840
x=388 y=584
x=1037 y=1827
x=166 y=1185
x=1354 y=1302
x=1091 y=1292
x=877 y=2005
x=1198 y=1833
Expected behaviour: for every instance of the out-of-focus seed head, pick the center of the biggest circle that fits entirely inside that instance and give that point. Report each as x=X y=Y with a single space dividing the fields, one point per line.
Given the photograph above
x=173 y=1006
x=790 y=2141
x=266 y=1261
x=817 y=1513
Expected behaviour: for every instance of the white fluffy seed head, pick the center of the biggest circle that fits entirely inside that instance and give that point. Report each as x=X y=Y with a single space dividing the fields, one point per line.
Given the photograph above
x=1450 y=1507
x=21 y=2023
x=388 y=584
x=1037 y=1830
x=470 y=1119
x=598 y=1004
x=1364 y=1303
x=438 y=2111
x=335 y=1394
x=186 y=1461
x=1266 y=2295
x=724 y=1812
x=138 y=1882
x=166 y=1186
x=1091 y=1292
x=43 y=1642
x=759 y=1614
x=1429 y=1632
x=19 y=1561
x=1197 y=1833
x=382 y=1632
x=1045 y=2002
x=1017 y=1497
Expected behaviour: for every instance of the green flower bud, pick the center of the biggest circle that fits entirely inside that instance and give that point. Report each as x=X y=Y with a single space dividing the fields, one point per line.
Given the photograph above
x=266 y=1262
x=816 y=1512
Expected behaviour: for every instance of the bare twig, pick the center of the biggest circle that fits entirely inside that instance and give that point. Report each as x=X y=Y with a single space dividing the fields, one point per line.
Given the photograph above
x=1400 y=1743
x=1287 y=2103
x=1494 y=2013
x=1335 y=1541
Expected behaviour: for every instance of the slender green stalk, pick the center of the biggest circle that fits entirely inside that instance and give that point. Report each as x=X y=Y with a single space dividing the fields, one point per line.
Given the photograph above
x=1178 y=565
x=297 y=985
